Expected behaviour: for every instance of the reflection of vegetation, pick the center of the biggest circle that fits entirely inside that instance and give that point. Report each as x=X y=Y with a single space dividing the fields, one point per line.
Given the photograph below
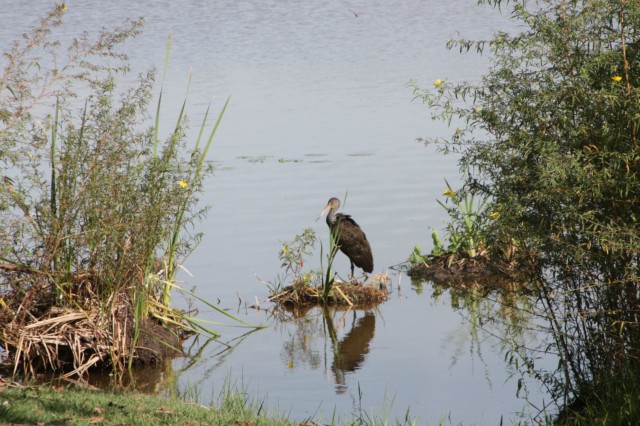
x=299 y=349
x=199 y=358
x=503 y=309
x=550 y=135
x=500 y=302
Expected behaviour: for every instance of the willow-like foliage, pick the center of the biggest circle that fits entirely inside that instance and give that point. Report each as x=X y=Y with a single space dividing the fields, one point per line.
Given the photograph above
x=550 y=136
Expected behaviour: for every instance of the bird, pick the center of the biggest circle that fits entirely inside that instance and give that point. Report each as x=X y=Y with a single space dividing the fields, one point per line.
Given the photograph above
x=350 y=239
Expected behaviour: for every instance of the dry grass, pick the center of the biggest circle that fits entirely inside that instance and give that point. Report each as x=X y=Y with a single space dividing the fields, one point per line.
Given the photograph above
x=352 y=294
x=86 y=333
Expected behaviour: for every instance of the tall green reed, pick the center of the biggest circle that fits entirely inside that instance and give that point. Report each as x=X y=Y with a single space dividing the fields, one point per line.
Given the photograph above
x=96 y=205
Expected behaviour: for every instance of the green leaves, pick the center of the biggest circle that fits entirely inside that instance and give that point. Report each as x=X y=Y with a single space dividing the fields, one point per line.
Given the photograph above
x=551 y=138
x=467 y=227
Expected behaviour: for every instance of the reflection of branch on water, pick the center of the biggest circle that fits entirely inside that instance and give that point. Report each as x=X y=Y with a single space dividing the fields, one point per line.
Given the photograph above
x=495 y=308
x=499 y=301
x=299 y=348
x=220 y=356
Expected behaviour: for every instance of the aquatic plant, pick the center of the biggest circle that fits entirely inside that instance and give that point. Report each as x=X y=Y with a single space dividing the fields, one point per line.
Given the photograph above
x=466 y=228
x=465 y=232
x=292 y=255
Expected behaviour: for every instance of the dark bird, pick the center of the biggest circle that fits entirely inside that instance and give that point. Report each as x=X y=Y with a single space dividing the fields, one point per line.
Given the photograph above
x=350 y=239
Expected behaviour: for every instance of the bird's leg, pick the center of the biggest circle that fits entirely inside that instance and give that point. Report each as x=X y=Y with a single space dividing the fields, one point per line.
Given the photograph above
x=353 y=277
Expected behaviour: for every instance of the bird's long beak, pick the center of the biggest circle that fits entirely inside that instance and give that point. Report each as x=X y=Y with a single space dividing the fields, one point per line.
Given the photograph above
x=326 y=209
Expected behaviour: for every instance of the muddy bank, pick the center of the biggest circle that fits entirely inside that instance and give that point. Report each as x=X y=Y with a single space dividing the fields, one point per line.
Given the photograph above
x=456 y=270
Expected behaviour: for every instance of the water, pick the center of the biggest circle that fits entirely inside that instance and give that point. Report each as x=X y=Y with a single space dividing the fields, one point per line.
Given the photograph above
x=322 y=87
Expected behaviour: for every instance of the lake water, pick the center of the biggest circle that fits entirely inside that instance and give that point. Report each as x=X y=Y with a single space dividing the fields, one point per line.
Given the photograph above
x=320 y=107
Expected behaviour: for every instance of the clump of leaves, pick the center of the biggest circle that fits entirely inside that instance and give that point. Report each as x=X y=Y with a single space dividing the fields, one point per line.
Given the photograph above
x=467 y=225
x=466 y=230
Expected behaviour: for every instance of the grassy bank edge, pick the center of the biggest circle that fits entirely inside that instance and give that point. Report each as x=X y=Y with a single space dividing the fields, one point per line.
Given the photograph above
x=37 y=405
x=82 y=406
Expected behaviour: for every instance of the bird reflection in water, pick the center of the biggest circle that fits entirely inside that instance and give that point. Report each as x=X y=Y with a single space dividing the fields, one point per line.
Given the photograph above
x=350 y=352
x=315 y=342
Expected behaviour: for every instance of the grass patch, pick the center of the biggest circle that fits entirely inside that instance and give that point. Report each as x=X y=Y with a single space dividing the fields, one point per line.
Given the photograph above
x=82 y=406
x=612 y=400
x=78 y=406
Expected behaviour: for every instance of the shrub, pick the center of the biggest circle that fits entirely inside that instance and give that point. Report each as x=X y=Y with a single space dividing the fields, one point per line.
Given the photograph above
x=550 y=134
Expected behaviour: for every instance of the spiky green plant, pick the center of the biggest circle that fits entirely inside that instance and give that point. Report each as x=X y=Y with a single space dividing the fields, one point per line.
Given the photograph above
x=467 y=221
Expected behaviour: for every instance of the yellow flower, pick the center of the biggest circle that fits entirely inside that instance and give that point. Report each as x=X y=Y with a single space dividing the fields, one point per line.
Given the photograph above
x=616 y=78
x=183 y=184
x=495 y=214
x=437 y=83
x=448 y=192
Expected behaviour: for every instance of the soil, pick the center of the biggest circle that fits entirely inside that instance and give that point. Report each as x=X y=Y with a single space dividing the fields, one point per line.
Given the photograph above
x=455 y=269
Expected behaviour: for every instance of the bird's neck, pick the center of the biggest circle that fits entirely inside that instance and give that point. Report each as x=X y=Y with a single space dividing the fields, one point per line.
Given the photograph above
x=332 y=217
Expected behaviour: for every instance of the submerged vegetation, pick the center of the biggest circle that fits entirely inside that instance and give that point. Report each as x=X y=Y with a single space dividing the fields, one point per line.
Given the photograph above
x=97 y=209
x=549 y=137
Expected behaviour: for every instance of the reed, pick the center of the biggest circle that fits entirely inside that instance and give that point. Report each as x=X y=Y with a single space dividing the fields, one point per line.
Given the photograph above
x=98 y=208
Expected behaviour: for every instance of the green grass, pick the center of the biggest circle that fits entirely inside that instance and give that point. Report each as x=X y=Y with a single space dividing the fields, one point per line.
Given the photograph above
x=76 y=406
x=81 y=406
x=613 y=400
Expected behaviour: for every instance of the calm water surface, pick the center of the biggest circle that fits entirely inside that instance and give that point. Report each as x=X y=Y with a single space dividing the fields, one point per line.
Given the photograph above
x=319 y=106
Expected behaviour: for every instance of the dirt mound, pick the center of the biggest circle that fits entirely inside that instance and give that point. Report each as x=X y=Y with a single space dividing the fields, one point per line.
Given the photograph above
x=454 y=268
